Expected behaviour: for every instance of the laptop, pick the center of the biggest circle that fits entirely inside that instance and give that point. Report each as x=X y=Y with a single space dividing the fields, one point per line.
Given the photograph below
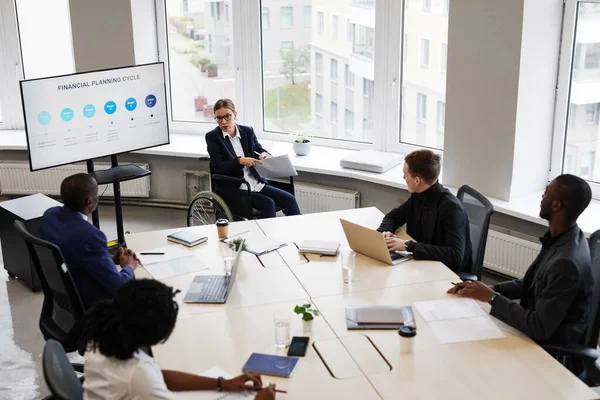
x=212 y=289
x=372 y=244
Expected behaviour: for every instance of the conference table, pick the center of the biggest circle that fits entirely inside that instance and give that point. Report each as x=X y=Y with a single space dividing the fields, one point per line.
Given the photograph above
x=341 y=363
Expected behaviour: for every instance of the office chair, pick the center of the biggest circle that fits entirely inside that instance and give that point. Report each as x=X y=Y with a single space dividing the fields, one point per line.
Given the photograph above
x=479 y=210
x=59 y=373
x=62 y=310
x=588 y=353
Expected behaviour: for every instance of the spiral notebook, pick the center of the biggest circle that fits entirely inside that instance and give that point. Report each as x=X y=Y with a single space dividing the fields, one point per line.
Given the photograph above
x=458 y=320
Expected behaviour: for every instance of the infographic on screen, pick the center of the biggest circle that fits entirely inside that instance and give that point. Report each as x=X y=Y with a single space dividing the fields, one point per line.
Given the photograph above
x=90 y=115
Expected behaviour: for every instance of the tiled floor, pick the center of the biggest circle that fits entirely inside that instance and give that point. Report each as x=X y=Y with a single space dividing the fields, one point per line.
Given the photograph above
x=21 y=342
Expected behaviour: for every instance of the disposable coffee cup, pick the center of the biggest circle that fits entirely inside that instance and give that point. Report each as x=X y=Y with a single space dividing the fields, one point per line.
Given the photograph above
x=222 y=228
x=407 y=339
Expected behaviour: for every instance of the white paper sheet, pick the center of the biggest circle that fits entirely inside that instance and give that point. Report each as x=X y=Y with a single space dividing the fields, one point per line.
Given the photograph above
x=174 y=267
x=214 y=372
x=276 y=167
x=170 y=253
x=458 y=320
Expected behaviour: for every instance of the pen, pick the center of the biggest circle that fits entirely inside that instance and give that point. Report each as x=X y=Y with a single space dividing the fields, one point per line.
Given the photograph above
x=152 y=254
x=257 y=153
x=259 y=389
x=454 y=283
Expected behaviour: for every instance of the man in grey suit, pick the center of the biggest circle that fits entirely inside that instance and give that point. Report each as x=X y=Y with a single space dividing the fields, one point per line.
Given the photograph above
x=556 y=290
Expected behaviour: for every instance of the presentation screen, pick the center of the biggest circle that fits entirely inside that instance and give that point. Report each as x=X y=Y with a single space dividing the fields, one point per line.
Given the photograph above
x=88 y=115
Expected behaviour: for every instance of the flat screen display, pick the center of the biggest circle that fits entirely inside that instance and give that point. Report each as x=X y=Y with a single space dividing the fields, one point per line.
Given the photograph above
x=89 y=115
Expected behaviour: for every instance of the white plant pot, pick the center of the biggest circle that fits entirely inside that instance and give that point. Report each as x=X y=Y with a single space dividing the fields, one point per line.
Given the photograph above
x=302 y=149
x=306 y=326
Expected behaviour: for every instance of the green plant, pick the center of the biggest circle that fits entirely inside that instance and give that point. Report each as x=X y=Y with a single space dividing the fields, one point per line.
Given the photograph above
x=212 y=67
x=204 y=61
x=308 y=313
x=301 y=138
x=237 y=243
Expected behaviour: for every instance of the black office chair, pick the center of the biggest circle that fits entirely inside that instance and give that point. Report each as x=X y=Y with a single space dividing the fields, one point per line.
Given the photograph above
x=588 y=353
x=208 y=206
x=62 y=310
x=479 y=210
x=59 y=373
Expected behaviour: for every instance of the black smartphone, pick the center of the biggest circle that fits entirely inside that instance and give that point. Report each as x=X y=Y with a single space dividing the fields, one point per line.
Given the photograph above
x=298 y=346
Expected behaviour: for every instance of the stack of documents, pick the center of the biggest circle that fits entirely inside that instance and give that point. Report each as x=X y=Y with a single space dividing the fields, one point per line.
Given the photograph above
x=458 y=320
x=174 y=261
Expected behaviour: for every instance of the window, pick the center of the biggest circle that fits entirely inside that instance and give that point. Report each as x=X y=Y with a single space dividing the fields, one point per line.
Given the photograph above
x=308 y=16
x=226 y=13
x=348 y=121
x=363 y=42
x=368 y=88
x=285 y=47
x=318 y=103
x=446 y=8
x=424 y=53
x=426 y=5
x=266 y=23
x=287 y=17
x=405 y=48
x=444 y=60
x=320 y=22
x=319 y=63
x=348 y=77
x=441 y=116
x=421 y=108
x=334 y=69
x=334 y=27
x=349 y=31
x=576 y=136
x=334 y=110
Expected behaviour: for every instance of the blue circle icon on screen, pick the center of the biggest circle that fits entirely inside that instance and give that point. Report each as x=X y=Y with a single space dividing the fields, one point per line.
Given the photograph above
x=44 y=118
x=110 y=107
x=150 y=101
x=67 y=114
x=130 y=104
x=89 y=111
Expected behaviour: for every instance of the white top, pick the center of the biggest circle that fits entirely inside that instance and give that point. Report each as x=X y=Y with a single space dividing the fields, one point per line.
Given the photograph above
x=236 y=142
x=85 y=217
x=135 y=379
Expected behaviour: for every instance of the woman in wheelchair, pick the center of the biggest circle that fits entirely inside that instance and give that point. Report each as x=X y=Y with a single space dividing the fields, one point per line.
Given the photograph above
x=234 y=151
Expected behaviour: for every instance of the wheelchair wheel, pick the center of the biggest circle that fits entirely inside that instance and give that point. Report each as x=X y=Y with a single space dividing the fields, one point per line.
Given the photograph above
x=206 y=208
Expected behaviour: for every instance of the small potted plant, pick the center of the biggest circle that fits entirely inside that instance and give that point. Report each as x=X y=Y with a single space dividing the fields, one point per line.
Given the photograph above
x=200 y=102
x=236 y=243
x=212 y=70
x=203 y=63
x=301 y=145
x=308 y=314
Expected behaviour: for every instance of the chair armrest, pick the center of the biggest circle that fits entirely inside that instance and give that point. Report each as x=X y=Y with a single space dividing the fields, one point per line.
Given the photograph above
x=467 y=276
x=576 y=351
x=241 y=181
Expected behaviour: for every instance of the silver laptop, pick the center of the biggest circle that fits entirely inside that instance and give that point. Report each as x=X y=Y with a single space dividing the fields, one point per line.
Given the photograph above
x=372 y=244
x=212 y=289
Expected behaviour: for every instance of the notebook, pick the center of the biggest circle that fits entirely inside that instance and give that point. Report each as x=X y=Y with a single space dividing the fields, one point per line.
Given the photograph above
x=458 y=320
x=379 y=317
x=319 y=247
x=187 y=238
x=267 y=364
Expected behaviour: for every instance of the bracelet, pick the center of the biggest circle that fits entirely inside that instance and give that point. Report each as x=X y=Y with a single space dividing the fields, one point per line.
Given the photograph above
x=219 y=380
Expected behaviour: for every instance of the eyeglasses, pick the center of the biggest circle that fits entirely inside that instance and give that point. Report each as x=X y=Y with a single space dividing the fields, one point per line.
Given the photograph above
x=227 y=117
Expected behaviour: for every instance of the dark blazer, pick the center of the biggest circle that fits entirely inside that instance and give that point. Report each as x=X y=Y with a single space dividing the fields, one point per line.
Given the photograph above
x=555 y=292
x=223 y=159
x=85 y=252
x=445 y=237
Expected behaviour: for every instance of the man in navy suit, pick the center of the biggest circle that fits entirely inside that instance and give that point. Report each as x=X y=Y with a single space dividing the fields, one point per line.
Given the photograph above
x=234 y=151
x=83 y=246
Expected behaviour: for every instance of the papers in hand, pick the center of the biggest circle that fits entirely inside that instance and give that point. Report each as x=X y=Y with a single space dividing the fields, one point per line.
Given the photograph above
x=458 y=320
x=175 y=261
x=276 y=167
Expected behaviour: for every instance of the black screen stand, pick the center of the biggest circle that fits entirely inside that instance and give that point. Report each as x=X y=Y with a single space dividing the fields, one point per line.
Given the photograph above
x=115 y=175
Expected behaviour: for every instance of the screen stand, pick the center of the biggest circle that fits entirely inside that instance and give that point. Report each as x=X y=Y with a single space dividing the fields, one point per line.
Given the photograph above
x=115 y=175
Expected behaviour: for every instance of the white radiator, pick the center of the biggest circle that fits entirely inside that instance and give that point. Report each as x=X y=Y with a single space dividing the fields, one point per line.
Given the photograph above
x=315 y=198
x=17 y=179
x=508 y=254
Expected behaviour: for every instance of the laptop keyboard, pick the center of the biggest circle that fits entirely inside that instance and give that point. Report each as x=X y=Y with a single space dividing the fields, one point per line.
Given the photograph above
x=395 y=256
x=215 y=288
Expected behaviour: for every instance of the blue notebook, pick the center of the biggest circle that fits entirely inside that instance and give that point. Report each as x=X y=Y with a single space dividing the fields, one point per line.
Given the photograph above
x=265 y=364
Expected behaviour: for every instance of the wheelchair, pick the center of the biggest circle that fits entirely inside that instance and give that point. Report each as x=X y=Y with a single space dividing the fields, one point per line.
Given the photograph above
x=210 y=205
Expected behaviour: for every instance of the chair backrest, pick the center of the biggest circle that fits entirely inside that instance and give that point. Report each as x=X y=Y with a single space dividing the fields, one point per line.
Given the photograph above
x=62 y=309
x=593 y=332
x=59 y=373
x=479 y=211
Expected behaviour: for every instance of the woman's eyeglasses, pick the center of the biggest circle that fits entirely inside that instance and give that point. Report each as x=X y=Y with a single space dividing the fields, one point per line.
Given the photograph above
x=227 y=117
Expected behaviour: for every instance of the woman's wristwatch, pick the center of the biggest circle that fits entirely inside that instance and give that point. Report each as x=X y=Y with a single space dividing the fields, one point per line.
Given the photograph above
x=492 y=298
x=408 y=244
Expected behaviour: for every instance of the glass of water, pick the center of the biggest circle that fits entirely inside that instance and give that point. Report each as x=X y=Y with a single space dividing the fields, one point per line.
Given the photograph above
x=227 y=257
x=281 y=320
x=348 y=265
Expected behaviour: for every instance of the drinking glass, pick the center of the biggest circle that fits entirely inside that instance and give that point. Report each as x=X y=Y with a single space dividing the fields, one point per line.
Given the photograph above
x=348 y=265
x=281 y=320
x=227 y=257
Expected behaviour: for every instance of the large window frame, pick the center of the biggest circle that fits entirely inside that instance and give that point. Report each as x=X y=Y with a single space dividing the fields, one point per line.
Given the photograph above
x=563 y=92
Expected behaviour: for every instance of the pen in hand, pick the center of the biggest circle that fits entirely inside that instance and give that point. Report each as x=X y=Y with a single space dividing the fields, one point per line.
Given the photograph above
x=152 y=254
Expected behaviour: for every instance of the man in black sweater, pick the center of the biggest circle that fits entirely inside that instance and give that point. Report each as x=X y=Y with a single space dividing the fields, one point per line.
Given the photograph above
x=556 y=290
x=434 y=217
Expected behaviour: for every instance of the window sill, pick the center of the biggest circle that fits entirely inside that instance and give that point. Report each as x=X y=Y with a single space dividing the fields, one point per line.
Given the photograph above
x=326 y=161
